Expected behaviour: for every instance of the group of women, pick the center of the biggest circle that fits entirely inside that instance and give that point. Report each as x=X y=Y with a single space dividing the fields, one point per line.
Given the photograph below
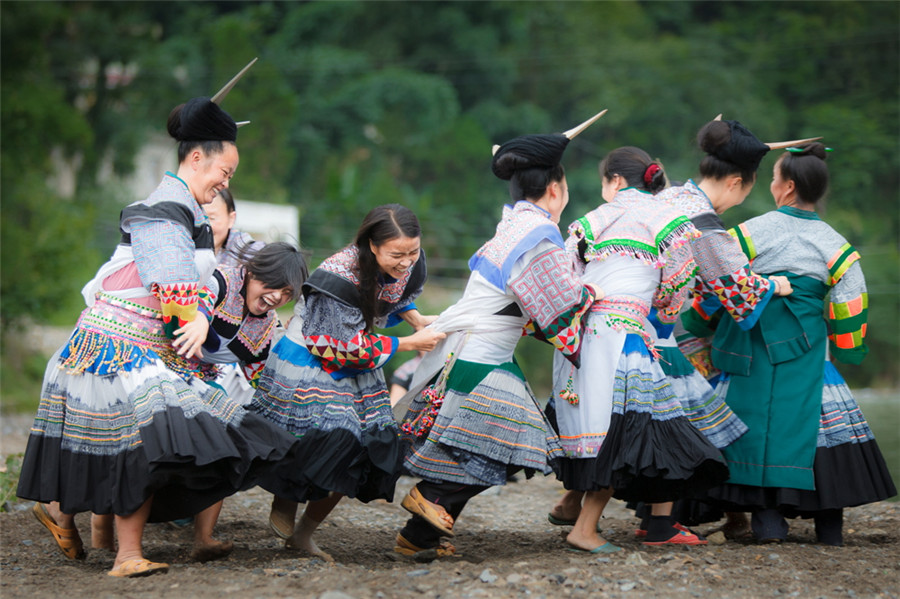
x=134 y=423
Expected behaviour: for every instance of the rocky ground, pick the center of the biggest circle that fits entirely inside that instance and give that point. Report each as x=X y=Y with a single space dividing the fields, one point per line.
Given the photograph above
x=506 y=549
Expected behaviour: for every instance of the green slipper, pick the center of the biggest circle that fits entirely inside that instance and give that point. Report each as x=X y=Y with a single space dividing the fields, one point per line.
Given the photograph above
x=606 y=547
x=559 y=521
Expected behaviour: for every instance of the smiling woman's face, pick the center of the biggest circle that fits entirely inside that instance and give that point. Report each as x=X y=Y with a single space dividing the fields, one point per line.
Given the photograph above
x=260 y=299
x=396 y=256
x=212 y=172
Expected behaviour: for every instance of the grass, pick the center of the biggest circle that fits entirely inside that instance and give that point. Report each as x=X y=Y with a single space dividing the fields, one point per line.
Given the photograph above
x=9 y=479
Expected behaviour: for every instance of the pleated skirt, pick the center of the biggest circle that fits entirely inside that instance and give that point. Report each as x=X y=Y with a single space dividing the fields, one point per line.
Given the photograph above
x=489 y=426
x=650 y=452
x=348 y=440
x=703 y=406
x=849 y=469
x=122 y=418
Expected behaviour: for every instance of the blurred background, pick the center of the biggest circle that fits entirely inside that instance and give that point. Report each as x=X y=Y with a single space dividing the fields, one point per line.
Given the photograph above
x=355 y=104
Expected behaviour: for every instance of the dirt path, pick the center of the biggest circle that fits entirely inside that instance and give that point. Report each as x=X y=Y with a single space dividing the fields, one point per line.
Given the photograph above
x=507 y=547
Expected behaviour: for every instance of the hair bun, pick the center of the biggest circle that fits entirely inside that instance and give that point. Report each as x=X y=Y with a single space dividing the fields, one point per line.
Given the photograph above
x=815 y=148
x=713 y=135
x=528 y=151
x=200 y=119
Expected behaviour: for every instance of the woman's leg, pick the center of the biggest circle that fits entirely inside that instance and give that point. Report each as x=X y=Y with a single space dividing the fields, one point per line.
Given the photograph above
x=282 y=516
x=313 y=515
x=663 y=530
x=130 y=531
x=62 y=520
x=769 y=526
x=567 y=508
x=102 y=534
x=206 y=548
x=584 y=533
x=829 y=525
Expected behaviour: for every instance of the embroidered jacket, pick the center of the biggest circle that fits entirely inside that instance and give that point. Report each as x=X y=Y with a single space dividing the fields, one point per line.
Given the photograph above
x=725 y=278
x=172 y=245
x=333 y=323
x=235 y=336
x=636 y=225
x=798 y=242
x=546 y=289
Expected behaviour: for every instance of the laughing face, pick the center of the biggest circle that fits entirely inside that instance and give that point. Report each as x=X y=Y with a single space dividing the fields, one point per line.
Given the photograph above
x=397 y=255
x=210 y=173
x=260 y=299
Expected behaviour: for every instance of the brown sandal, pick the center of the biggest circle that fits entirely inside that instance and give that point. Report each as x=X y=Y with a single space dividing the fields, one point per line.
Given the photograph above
x=404 y=547
x=137 y=566
x=67 y=539
x=433 y=513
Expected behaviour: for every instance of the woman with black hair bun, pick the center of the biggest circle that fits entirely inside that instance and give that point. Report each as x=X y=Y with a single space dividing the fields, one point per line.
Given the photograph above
x=124 y=425
x=808 y=451
x=622 y=428
x=471 y=420
x=324 y=381
x=730 y=287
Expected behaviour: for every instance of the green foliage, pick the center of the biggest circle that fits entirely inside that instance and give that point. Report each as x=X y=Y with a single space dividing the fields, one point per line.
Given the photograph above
x=45 y=258
x=21 y=375
x=355 y=104
x=9 y=480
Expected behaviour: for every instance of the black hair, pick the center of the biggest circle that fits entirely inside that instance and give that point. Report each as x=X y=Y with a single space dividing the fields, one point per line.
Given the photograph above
x=382 y=224
x=712 y=138
x=634 y=164
x=227 y=198
x=185 y=147
x=807 y=169
x=532 y=183
x=276 y=265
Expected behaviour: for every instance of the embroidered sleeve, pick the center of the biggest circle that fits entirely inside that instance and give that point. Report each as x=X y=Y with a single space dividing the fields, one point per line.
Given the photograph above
x=252 y=371
x=554 y=298
x=677 y=273
x=211 y=295
x=164 y=256
x=726 y=275
x=333 y=333
x=849 y=306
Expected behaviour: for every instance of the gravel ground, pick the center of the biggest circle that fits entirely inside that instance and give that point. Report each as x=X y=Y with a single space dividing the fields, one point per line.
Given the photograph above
x=506 y=548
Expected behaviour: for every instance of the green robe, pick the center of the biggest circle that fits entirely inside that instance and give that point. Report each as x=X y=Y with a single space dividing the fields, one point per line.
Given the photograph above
x=775 y=387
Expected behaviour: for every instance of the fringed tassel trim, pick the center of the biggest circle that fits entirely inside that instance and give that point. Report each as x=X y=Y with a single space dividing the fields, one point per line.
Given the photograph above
x=624 y=247
x=630 y=325
x=188 y=369
x=100 y=354
x=676 y=234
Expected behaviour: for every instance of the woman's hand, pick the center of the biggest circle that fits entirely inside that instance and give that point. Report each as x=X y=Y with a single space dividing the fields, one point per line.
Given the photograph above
x=421 y=340
x=782 y=285
x=597 y=291
x=416 y=320
x=189 y=339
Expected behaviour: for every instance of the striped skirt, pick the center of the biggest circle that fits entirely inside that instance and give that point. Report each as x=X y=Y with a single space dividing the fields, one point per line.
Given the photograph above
x=122 y=418
x=348 y=441
x=703 y=405
x=649 y=450
x=489 y=425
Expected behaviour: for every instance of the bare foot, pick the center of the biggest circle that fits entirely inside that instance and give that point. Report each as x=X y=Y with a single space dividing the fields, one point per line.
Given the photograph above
x=208 y=551
x=736 y=526
x=587 y=543
x=307 y=546
x=568 y=508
